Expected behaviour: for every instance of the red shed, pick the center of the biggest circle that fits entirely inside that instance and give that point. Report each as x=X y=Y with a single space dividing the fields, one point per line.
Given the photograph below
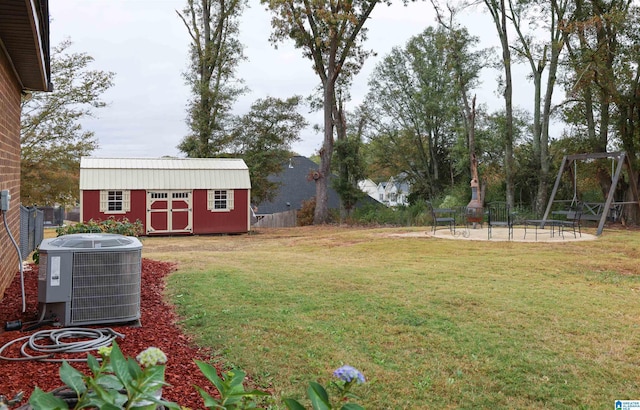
x=169 y=195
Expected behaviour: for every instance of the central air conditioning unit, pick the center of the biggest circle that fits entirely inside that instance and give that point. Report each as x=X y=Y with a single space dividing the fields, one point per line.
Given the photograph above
x=90 y=279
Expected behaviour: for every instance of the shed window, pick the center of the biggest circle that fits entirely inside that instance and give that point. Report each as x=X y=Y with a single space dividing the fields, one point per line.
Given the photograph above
x=114 y=202
x=220 y=200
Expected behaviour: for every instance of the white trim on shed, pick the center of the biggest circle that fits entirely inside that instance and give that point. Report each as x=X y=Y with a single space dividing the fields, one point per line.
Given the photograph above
x=163 y=173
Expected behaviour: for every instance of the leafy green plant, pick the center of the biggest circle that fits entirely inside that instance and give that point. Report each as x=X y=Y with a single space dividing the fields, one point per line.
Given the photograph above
x=348 y=376
x=111 y=225
x=305 y=213
x=231 y=389
x=115 y=383
x=118 y=383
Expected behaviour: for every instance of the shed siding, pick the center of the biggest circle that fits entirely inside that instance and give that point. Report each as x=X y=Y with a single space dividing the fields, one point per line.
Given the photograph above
x=192 y=176
x=90 y=208
x=235 y=221
x=204 y=221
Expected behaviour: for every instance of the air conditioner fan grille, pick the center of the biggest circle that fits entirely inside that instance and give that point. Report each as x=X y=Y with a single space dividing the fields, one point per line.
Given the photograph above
x=106 y=286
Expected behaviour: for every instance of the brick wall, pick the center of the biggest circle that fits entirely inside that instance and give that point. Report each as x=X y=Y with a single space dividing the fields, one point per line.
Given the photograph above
x=9 y=169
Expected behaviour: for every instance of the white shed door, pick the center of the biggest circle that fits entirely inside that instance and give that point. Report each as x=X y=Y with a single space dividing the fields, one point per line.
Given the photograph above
x=169 y=212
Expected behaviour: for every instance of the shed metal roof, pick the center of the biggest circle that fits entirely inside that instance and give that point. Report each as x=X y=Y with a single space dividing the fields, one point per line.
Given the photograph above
x=163 y=173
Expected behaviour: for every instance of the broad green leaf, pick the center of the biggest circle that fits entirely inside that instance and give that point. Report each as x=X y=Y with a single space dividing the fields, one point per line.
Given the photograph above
x=154 y=375
x=318 y=396
x=211 y=374
x=109 y=381
x=93 y=403
x=98 y=396
x=40 y=400
x=209 y=401
x=72 y=378
x=293 y=404
x=351 y=406
x=134 y=368
x=119 y=365
x=94 y=365
x=170 y=404
x=237 y=378
x=231 y=399
x=109 y=406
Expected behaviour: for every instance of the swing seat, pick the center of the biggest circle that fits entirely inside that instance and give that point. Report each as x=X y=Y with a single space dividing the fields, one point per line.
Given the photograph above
x=573 y=216
x=621 y=159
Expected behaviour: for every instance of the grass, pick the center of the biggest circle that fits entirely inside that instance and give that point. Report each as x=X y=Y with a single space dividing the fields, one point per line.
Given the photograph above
x=431 y=323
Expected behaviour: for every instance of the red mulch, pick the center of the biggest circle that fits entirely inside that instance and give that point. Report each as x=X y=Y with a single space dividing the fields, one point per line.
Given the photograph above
x=158 y=329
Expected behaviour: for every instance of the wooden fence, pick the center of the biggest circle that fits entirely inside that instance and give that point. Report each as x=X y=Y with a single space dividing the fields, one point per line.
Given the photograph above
x=280 y=220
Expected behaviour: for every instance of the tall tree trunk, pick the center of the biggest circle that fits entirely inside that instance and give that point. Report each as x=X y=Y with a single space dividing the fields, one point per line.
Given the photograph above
x=508 y=102
x=498 y=13
x=543 y=182
x=341 y=135
x=321 y=213
x=557 y=12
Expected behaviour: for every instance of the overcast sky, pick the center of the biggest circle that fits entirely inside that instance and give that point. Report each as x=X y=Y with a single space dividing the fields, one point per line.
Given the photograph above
x=145 y=43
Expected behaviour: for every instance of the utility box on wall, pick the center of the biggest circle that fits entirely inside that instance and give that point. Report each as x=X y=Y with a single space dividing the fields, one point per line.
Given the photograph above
x=90 y=279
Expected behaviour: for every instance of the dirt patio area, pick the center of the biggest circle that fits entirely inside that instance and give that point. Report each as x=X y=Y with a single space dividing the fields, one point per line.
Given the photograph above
x=501 y=234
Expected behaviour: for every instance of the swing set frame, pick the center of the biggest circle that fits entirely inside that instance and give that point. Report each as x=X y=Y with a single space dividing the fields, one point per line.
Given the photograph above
x=621 y=159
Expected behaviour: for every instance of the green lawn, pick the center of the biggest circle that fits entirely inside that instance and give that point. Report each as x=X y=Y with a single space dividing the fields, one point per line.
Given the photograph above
x=431 y=323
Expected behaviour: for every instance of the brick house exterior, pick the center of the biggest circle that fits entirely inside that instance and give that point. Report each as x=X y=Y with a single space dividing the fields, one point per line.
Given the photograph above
x=24 y=67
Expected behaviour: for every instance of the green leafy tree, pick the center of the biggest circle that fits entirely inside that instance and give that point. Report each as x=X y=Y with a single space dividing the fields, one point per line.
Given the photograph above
x=592 y=37
x=603 y=81
x=491 y=140
x=215 y=54
x=414 y=101
x=465 y=65
x=349 y=160
x=51 y=137
x=330 y=34
x=263 y=138
x=540 y=55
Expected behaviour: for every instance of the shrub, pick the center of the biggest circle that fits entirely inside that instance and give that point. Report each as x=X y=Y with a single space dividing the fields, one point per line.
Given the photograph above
x=117 y=382
x=111 y=225
x=413 y=215
x=305 y=214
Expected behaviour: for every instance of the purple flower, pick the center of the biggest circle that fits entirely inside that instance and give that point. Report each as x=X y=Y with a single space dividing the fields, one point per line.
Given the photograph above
x=348 y=374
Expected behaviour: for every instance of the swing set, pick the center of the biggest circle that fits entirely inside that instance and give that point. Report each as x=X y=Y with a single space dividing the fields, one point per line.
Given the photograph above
x=597 y=211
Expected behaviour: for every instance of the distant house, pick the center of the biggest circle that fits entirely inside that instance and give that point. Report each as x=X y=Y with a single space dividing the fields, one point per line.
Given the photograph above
x=395 y=192
x=294 y=187
x=168 y=195
x=370 y=188
x=24 y=67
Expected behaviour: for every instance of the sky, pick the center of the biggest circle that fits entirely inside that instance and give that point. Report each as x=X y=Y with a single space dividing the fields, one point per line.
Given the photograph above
x=145 y=44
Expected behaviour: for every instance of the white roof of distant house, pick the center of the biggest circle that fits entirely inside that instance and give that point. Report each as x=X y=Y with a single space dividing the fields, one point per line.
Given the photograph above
x=163 y=173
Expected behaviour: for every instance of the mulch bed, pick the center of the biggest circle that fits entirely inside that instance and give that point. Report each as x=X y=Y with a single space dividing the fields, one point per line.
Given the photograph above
x=158 y=329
